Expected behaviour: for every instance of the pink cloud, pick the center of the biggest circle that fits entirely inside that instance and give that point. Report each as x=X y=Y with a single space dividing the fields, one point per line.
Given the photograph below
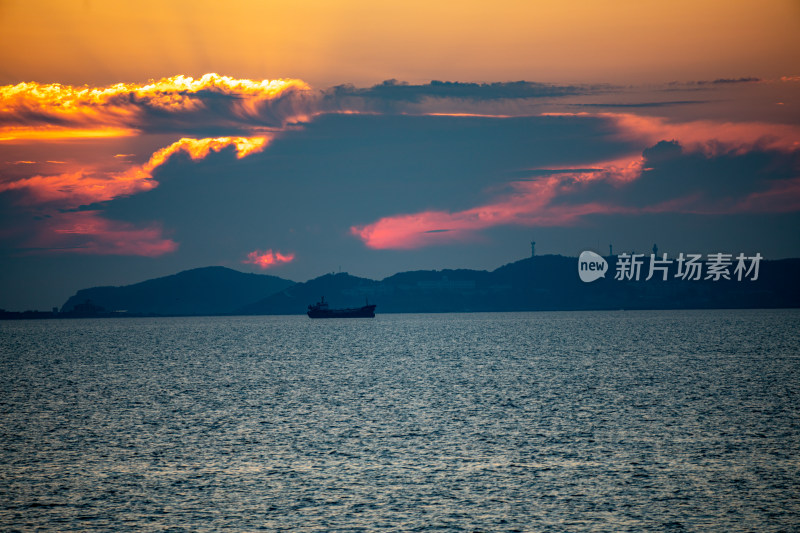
x=73 y=189
x=532 y=204
x=267 y=259
x=529 y=205
x=87 y=232
x=706 y=136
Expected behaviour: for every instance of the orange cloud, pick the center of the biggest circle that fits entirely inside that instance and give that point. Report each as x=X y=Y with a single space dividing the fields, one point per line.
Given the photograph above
x=51 y=111
x=47 y=132
x=196 y=149
x=83 y=187
x=87 y=232
x=267 y=259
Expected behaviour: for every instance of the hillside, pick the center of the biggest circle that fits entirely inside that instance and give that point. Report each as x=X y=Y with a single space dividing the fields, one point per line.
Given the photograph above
x=201 y=291
x=341 y=290
x=541 y=283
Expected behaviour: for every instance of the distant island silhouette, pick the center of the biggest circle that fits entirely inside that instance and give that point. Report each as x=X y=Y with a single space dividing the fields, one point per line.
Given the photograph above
x=538 y=283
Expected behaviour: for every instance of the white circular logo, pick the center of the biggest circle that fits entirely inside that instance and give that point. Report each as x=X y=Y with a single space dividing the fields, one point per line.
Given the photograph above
x=591 y=266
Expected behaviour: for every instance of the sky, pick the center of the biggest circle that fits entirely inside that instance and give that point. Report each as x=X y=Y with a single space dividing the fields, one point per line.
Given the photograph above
x=139 y=139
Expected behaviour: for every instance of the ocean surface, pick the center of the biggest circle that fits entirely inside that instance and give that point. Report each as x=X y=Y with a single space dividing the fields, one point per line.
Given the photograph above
x=574 y=421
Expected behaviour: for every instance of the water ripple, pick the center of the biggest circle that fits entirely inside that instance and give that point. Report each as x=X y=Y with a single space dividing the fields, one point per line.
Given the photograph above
x=634 y=421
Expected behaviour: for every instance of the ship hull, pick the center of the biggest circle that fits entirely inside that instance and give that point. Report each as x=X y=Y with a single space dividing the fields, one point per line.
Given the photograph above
x=368 y=311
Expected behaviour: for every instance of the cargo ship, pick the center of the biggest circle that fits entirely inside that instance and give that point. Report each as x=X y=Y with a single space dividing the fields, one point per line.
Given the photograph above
x=321 y=310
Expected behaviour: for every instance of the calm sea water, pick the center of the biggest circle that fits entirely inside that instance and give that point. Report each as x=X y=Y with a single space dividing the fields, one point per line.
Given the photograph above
x=606 y=421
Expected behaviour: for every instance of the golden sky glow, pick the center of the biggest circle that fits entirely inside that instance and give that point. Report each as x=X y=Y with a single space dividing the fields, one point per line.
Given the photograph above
x=31 y=110
x=363 y=42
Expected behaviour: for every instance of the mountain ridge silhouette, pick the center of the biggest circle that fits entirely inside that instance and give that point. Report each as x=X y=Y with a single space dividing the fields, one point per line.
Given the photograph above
x=540 y=283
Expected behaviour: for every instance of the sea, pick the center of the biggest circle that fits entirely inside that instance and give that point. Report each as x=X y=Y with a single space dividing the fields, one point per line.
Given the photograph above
x=571 y=421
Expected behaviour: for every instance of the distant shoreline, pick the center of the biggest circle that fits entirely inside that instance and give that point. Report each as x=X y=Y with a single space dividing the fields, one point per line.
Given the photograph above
x=536 y=283
x=44 y=315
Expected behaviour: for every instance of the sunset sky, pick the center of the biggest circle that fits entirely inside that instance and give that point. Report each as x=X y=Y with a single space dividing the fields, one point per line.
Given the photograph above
x=138 y=139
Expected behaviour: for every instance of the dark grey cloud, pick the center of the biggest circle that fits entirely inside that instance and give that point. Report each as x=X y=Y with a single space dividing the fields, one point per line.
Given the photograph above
x=215 y=106
x=715 y=182
x=641 y=104
x=222 y=114
x=718 y=81
x=398 y=91
x=305 y=191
